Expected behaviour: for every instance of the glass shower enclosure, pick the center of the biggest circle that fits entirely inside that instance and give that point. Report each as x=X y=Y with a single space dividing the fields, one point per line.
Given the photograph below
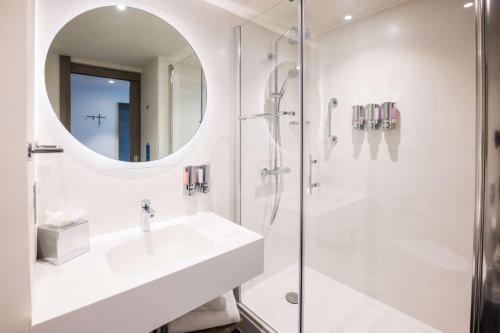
x=356 y=161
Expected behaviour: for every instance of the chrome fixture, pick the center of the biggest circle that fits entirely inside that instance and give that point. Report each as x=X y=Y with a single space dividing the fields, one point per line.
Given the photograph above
x=389 y=115
x=373 y=116
x=277 y=170
x=292 y=73
x=35 y=148
x=274 y=172
x=146 y=213
x=311 y=184
x=292 y=297
x=275 y=114
x=331 y=105
x=358 y=117
x=292 y=35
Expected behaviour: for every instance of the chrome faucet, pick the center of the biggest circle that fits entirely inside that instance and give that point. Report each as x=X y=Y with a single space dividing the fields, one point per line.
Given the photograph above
x=146 y=213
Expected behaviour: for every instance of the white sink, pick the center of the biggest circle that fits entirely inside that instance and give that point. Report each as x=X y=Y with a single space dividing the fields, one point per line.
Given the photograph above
x=157 y=249
x=132 y=281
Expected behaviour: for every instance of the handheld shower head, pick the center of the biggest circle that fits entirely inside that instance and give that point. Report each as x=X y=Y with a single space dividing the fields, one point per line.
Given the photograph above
x=292 y=73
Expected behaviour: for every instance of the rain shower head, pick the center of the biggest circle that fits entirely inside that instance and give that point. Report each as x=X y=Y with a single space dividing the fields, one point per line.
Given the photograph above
x=293 y=35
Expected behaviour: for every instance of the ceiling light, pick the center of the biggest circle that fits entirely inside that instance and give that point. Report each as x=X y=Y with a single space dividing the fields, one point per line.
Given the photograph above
x=121 y=7
x=468 y=4
x=111 y=81
x=348 y=17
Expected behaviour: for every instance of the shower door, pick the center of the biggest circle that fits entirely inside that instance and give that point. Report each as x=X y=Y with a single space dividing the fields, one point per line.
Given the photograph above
x=388 y=165
x=269 y=160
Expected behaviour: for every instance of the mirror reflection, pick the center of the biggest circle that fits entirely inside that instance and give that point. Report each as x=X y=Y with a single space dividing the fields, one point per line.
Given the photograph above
x=125 y=84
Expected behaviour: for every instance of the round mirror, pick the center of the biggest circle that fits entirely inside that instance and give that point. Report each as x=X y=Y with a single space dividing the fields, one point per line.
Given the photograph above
x=125 y=84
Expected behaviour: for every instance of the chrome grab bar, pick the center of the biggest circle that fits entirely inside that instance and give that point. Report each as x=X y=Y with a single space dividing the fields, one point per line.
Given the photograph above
x=331 y=105
x=277 y=171
x=311 y=184
x=275 y=114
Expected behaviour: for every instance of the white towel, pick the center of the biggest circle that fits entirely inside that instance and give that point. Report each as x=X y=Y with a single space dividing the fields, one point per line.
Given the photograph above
x=217 y=304
x=201 y=320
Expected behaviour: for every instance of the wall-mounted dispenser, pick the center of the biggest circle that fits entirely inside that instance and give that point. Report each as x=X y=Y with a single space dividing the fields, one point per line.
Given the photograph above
x=195 y=179
x=189 y=180
x=373 y=116
x=202 y=172
x=389 y=115
x=358 y=117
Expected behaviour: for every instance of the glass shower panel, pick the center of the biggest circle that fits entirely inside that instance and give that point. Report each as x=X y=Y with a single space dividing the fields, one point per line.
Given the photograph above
x=389 y=157
x=270 y=160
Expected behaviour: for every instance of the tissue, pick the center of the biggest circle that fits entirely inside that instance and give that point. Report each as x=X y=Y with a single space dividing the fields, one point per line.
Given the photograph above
x=64 y=217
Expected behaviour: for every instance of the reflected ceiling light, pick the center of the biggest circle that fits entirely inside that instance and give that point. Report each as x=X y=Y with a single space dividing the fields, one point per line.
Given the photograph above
x=468 y=4
x=111 y=81
x=121 y=7
x=348 y=17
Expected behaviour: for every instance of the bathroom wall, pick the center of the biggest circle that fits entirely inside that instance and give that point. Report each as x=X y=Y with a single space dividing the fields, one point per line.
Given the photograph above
x=111 y=190
x=16 y=173
x=393 y=217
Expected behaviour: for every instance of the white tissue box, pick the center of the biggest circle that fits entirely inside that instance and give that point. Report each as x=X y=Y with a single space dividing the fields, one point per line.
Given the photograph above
x=58 y=244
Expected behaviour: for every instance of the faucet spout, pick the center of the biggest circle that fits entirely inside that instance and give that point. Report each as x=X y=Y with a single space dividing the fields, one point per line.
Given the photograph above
x=146 y=214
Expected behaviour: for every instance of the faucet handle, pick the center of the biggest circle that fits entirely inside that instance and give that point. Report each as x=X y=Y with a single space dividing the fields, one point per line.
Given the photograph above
x=145 y=202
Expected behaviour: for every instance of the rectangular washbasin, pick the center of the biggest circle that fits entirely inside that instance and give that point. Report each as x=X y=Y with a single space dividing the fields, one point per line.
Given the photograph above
x=157 y=249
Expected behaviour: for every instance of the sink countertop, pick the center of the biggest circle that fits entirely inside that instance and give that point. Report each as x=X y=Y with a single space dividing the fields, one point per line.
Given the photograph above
x=77 y=291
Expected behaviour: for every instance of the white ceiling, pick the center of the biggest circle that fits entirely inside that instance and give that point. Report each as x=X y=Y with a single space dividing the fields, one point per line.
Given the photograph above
x=320 y=15
x=129 y=38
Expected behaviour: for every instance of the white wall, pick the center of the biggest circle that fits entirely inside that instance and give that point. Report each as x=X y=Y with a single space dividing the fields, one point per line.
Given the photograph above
x=397 y=207
x=112 y=190
x=15 y=173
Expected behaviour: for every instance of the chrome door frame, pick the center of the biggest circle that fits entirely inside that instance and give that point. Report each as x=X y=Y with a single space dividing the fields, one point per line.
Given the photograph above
x=481 y=140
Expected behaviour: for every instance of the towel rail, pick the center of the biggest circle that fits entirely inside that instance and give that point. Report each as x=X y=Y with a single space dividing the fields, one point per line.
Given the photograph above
x=35 y=148
x=275 y=114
